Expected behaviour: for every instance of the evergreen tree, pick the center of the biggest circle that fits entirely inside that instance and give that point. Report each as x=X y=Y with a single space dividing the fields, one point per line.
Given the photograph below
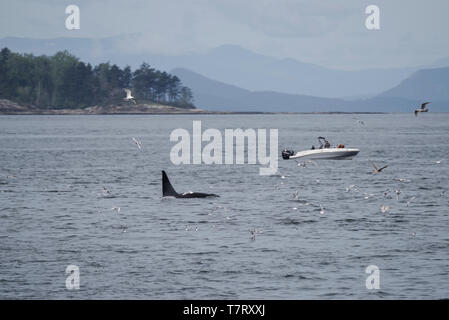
x=63 y=81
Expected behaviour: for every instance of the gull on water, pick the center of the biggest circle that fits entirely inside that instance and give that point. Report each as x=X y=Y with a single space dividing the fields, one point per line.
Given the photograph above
x=352 y=186
x=312 y=162
x=422 y=109
x=215 y=209
x=368 y=195
x=385 y=208
x=107 y=193
x=300 y=164
x=278 y=186
x=304 y=163
x=253 y=233
x=129 y=96
x=377 y=170
x=296 y=195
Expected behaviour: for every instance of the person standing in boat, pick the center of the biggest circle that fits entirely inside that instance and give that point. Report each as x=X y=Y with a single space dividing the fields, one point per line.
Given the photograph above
x=327 y=144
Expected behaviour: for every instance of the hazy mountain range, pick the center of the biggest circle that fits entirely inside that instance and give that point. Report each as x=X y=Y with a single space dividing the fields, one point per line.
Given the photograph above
x=231 y=78
x=215 y=95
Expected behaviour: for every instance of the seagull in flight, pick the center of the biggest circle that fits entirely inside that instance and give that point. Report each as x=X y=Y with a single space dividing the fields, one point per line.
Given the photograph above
x=129 y=96
x=422 y=109
x=137 y=142
x=321 y=209
x=117 y=209
x=253 y=234
x=106 y=192
x=410 y=200
x=398 y=192
x=376 y=170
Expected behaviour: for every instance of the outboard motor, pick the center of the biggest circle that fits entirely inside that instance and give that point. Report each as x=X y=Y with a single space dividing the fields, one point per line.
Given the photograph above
x=286 y=154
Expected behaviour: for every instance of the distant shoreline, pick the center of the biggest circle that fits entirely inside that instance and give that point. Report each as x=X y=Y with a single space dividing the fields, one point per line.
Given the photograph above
x=8 y=107
x=179 y=113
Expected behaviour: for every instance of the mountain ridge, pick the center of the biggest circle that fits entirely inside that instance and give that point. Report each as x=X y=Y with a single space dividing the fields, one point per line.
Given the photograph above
x=215 y=95
x=228 y=64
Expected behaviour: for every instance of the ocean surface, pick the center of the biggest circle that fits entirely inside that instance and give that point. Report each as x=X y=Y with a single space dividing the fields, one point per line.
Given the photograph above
x=315 y=233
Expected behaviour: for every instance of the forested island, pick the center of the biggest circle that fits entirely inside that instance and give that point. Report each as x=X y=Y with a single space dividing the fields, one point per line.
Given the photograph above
x=62 y=82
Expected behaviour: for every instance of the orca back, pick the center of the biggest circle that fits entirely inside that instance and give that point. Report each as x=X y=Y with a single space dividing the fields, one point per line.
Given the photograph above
x=167 y=188
x=169 y=191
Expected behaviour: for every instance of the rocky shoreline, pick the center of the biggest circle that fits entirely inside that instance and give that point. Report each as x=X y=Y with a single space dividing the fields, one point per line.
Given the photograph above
x=13 y=108
x=8 y=107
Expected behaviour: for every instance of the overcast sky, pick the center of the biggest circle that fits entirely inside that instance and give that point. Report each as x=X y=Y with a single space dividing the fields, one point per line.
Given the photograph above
x=331 y=33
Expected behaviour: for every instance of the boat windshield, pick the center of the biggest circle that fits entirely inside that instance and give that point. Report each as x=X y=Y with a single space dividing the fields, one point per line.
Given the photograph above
x=323 y=142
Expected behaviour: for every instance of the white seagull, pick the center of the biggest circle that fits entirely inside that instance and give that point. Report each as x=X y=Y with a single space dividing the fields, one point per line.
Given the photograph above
x=352 y=186
x=410 y=201
x=129 y=96
x=139 y=145
x=321 y=209
x=117 y=209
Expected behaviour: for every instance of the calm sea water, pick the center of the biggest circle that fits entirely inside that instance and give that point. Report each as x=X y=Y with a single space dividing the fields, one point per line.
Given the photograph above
x=54 y=211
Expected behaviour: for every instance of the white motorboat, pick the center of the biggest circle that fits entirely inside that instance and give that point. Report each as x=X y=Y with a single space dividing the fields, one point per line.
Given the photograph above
x=323 y=152
x=328 y=153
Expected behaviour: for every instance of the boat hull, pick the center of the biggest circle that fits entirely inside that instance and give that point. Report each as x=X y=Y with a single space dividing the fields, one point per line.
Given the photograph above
x=327 y=154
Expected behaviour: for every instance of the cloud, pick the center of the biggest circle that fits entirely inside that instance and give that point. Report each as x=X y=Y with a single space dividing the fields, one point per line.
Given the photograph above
x=286 y=18
x=327 y=32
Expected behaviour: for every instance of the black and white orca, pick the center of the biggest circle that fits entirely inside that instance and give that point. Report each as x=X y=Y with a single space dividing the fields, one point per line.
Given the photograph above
x=169 y=191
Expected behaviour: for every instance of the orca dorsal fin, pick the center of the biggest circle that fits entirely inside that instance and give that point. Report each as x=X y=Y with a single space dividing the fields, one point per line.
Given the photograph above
x=167 y=188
